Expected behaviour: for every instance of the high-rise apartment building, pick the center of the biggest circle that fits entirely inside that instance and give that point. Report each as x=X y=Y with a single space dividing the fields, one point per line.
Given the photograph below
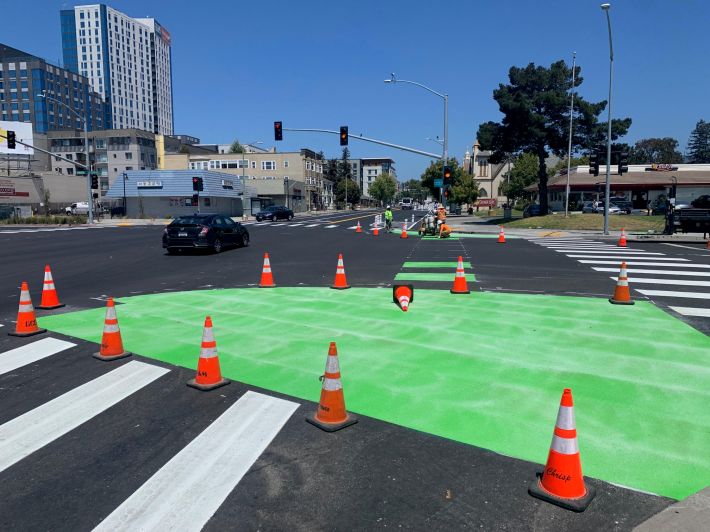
x=128 y=61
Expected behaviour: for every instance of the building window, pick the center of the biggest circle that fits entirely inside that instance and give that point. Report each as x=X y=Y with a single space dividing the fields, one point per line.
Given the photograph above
x=253 y=165
x=483 y=168
x=129 y=168
x=128 y=155
x=70 y=171
x=268 y=165
x=285 y=164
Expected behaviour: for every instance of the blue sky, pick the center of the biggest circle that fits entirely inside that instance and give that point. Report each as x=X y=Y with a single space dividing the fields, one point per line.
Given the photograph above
x=238 y=66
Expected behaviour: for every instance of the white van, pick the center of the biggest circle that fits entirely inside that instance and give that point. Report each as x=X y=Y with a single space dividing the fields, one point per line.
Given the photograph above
x=406 y=203
x=81 y=207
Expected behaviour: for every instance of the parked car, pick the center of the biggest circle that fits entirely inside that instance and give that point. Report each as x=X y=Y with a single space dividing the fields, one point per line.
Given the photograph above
x=589 y=207
x=703 y=202
x=625 y=205
x=81 y=207
x=274 y=212
x=406 y=203
x=613 y=209
x=534 y=210
x=454 y=209
x=204 y=231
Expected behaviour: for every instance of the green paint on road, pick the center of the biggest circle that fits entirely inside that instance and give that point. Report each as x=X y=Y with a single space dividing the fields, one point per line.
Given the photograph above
x=486 y=369
x=435 y=264
x=422 y=276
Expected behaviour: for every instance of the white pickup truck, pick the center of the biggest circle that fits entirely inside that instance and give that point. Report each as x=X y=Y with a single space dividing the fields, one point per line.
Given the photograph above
x=81 y=207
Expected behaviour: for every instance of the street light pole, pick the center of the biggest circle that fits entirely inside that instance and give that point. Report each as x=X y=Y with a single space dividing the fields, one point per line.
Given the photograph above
x=244 y=183
x=569 y=145
x=125 y=177
x=607 y=188
x=43 y=94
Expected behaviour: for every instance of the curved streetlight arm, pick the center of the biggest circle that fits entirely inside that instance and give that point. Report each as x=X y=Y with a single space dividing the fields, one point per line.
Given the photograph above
x=394 y=80
x=44 y=95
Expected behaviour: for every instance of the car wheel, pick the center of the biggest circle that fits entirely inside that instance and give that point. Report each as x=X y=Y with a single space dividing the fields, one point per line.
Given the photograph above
x=245 y=240
x=217 y=246
x=290 y=217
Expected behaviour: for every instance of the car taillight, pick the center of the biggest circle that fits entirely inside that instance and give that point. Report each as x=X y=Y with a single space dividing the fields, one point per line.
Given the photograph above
x=204 y=231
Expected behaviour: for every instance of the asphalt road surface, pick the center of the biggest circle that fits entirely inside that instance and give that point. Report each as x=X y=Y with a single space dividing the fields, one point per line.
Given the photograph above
x=371 y=475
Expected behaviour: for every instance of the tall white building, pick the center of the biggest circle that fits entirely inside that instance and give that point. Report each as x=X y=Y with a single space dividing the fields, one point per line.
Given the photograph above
x=128 y=61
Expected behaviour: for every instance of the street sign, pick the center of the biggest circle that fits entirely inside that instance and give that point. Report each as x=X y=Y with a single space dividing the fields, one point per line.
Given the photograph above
x=438 y=182
x=488 y=202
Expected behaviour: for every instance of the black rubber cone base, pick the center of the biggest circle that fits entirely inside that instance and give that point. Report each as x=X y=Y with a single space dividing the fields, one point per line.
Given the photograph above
x=458 y=292
x=192 y=383
x=341 y=287
x=576 y=505
x=52 y=307
x=332 y=427
x=615 y=302
x=23 y=335
x=99 y=356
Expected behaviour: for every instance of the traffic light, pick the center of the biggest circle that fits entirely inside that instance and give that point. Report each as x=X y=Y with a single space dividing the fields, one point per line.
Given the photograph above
x=11 y=140
x=343 y=135
x=447 y=175
x=197 y=184
x=594 y=163
x=623 y=164
x=447 y=192
x=278 y=131
x=195 y=200
x=94 y=181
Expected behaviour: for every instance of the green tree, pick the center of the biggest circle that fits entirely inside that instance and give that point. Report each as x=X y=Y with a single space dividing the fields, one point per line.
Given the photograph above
x=561 y=165
x=330 y=170
x=353 y=191
x=383 y=188
x=655 y=150
x=464 y=190
x=236 y=147
x=345 y=171
x=523 y=174
x=535 y=107
x=436 y=171
x=413 y=189
x=699 y=143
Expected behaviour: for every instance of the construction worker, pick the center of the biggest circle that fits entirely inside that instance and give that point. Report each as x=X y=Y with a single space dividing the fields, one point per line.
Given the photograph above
x=444 y=231
x=388 y=218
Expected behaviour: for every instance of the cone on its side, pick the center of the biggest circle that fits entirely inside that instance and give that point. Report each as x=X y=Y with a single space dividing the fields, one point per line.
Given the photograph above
x=403 y=295
x=331 y=414
x=209 y=375
x=562 y=483
x=26 y=321
x=622 y=239
x=460 y=285
x=358 y=229
x=50 y=299
x=267 y=278
x=111 y=342
x=501 y=236
x=340 y=282
x=404 y=230
x=622 y=295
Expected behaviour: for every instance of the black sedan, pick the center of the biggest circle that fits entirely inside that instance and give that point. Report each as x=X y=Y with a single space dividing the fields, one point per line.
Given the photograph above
x=204 y=231
x=274 y=212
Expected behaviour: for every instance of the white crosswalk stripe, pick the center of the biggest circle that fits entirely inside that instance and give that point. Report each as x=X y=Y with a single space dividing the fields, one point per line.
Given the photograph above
x=189 y=489
x=645 y=268
x=330 y=226
x=27 y=354
x=50 y=229
x=312 y=225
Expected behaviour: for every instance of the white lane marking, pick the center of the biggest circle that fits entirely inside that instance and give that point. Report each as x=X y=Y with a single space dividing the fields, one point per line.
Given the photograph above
x=686 y=247
x=674 y=293
x=353 y=227
x=635 y=262
x=656 y=272
x=691 y=311
x=330 y=226
x=189 y=489
x=294 y=225
x=312 y=225
x=615 y=256
x=29 y=432
x=614 y=251
x=543 y=240
x=277 y=225
x=21 y=356
x=586 y=248
x=679 y=282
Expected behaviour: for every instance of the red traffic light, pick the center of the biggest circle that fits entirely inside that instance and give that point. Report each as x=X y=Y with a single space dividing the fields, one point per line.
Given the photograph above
x=278 y=131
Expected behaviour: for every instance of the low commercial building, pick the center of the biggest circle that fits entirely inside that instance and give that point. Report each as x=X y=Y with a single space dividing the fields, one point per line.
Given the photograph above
x=169 y=193
x=370 y=168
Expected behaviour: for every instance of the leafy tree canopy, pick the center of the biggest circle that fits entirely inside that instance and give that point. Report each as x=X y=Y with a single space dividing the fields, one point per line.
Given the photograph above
x=236 y=147
x=699 y=143
x=353 y=191
x=383 y=188
x=655 y=150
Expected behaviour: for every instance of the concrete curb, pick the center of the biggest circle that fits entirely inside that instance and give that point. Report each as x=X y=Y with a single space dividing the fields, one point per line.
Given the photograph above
x=690 y=515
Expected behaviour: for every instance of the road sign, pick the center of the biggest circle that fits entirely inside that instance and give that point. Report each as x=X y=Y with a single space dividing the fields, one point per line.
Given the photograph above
x=488 y=202
x=438 y=182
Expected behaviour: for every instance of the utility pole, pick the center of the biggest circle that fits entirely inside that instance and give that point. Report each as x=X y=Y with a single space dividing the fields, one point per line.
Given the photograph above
x=569 y=145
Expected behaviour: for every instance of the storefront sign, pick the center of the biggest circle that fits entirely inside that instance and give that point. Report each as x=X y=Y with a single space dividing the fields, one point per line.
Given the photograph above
x=658 y=167
x=149 y=184
x=487 y=202
x=7 y=189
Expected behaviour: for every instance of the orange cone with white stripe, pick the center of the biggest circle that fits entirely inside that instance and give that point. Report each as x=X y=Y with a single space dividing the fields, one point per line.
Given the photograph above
x=460 y=285
x=501 y=236
x=331 y=414
x=358 y=229
x=375 y=231
x=209 y=375
x=340 y=282
x=267 y=278
x=404 y=230
x=562 y=482
x=111 y=342
x=403 y=295
x=26 y=320
x=50 y=299
x=622 y=239
x=622 y=296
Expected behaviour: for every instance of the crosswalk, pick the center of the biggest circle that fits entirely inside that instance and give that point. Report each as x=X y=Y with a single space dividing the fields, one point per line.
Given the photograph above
x=303 y=225
x=686 y=283
x=183 y=493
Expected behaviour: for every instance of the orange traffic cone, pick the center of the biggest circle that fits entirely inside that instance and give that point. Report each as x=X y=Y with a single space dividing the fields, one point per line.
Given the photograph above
x=331 y=414
x=375 y=231
x=562 y=483
x=111 y=342
x=340 y=282
x=50 y=299
x=404 y=230
x=26 y=320
x=403 y=295
x=622 y=239
x=622 y=296
x=501 y=236
x=358 y=229
x=267 y=279
x=208 y=375
x=460 y=285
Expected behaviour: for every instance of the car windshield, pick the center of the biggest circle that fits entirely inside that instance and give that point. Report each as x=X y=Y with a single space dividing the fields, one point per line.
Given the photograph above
x=187 y=220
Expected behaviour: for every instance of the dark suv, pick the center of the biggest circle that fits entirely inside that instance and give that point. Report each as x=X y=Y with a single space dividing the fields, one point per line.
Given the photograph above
x=703 y=202
x=274 y=212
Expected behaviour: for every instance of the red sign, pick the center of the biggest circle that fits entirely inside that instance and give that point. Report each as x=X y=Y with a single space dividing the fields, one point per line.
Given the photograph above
x=487 y=202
